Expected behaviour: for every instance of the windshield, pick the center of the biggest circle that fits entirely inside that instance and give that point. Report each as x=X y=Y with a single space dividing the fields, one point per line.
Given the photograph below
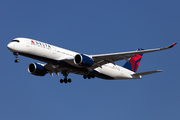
x=15 y=41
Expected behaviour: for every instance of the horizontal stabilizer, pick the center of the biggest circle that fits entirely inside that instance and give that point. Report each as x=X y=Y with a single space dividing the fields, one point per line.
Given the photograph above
x=147 y=73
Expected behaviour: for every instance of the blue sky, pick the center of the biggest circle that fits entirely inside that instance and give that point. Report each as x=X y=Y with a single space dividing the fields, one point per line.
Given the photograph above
x=91 y=27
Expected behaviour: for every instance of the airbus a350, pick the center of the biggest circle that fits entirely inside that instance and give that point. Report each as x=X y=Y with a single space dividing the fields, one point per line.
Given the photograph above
x=58 y=60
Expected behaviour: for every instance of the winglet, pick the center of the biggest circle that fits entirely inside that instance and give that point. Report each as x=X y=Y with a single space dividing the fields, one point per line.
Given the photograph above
x=172 y=45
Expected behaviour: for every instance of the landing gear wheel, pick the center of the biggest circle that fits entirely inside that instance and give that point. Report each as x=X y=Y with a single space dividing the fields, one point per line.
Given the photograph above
x=61 y=80
x=89 y=76
x=84 y=76
x=16 y=60
x=69 y=80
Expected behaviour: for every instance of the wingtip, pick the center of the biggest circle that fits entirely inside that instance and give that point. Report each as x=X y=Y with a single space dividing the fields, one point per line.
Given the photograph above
x=159 y=70
x=173 y=45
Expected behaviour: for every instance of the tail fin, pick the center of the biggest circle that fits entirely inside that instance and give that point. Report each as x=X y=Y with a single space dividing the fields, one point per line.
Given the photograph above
x=134 y=62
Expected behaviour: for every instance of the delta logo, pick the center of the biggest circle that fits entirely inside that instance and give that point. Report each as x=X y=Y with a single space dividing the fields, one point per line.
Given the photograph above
x=32 y=42
x=40 y=44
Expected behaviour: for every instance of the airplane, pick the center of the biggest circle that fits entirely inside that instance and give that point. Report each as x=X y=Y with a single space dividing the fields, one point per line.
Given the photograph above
x=60 y=60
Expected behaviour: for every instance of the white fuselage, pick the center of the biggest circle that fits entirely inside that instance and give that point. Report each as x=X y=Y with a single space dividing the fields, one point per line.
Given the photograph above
x=40 y=51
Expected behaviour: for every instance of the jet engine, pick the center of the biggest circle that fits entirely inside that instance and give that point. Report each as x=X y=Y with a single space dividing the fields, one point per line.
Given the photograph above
x=37 y=69
x=83 y=60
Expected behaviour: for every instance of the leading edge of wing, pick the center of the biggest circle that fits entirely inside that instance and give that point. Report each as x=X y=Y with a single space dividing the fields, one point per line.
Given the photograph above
x=114 y=55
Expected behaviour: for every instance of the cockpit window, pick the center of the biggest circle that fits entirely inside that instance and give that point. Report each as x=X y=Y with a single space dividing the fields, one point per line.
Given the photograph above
x=15 y=41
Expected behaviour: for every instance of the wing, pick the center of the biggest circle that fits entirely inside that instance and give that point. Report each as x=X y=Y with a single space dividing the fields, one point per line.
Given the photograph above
x=102 y=59
x=52 y=69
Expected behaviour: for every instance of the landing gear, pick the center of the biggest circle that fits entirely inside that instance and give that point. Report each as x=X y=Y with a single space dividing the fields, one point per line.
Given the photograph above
x=16 y=55
x=65 y=74
x=16 y=60
x=89 y=76
x=65 y=80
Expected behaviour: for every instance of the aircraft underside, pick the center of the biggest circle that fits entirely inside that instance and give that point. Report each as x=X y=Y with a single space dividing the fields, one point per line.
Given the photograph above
x=66 y=68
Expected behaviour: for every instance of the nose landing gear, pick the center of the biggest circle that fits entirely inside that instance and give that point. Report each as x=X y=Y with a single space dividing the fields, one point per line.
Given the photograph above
x=16 y=60
x=16 y=55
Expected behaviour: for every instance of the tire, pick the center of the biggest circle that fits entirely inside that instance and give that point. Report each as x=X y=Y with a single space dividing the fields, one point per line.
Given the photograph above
x=69 y=80
x=61 y=80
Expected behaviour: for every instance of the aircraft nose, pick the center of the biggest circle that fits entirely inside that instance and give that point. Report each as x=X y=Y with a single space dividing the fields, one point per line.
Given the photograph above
x=10 y=46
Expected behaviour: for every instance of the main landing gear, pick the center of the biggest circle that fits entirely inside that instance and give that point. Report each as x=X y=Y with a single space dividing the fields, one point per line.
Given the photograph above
x=16 y=55
x=65 y=74
x=65 y=80
x=89 y=76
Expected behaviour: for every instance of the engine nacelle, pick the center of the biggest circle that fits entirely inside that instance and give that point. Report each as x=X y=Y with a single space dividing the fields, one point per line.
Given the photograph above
x=37 y=69
x=83 y=60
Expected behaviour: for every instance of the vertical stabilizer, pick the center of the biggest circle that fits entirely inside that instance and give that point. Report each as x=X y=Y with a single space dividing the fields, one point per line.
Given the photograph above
x=133 y=63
